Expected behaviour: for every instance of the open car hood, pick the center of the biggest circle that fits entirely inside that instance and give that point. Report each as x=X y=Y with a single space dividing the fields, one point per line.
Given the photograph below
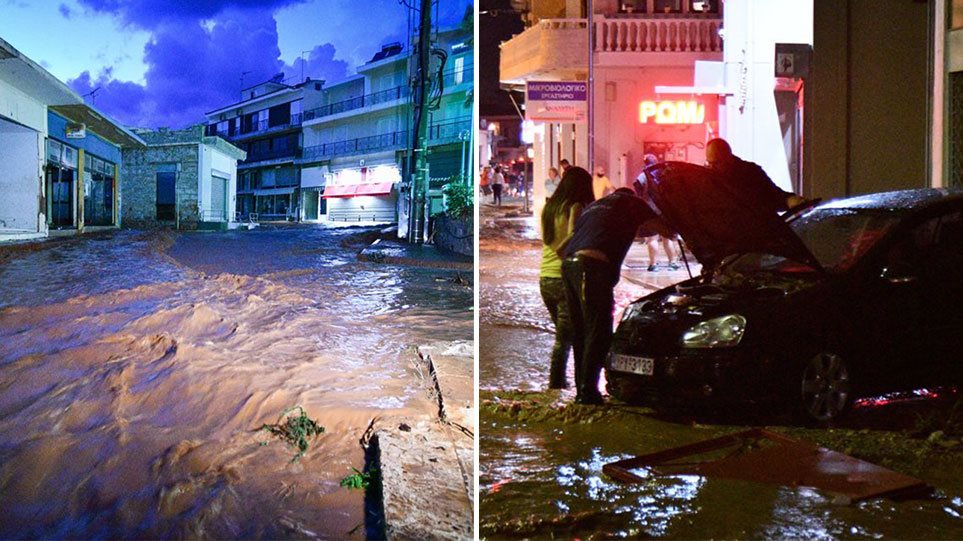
x=715 y=219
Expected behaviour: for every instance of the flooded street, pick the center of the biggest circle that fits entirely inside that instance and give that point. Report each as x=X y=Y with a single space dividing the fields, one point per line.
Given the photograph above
x=541 y=457
x=136 y=368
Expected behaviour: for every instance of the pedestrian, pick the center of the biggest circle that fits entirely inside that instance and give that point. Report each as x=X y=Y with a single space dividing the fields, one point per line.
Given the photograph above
x=498 y=182
x=561 y=211
x=601 y=185
x=486 y=178
x=551 y=183
x=563 y=165
x=651 y=238
x=590 y=270
x=752 y=182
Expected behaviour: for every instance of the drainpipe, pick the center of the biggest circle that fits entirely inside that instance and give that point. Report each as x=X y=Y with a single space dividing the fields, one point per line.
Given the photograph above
x=590 y=87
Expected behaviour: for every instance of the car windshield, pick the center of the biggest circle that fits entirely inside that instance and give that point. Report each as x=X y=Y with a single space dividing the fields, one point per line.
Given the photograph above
x=836 y=237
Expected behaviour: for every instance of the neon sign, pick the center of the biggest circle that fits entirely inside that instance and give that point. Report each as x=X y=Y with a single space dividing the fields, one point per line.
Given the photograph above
x=672 y=112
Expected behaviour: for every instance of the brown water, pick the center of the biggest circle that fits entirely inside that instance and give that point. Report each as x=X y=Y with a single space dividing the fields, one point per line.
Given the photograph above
x=136 y=368
x=541 y=461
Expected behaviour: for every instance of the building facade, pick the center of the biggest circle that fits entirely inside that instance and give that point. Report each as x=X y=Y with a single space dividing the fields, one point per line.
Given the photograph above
x=60 y=156
x=182 y=179
x=640 y=48
x=356 y=142
x=266 y=124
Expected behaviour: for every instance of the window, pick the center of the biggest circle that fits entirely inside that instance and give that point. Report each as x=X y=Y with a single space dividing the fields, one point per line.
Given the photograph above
x=459 y=70
x=632 y=6
x=667 y=6
x=703 y=6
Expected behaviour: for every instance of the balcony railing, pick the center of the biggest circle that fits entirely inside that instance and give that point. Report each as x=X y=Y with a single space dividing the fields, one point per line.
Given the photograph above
x=359 y=102
x=460 y=76
x=253 y=156
x=658 y=35
x=442 y=132
x=260 y=126
x=449 y=130
x=362 y=144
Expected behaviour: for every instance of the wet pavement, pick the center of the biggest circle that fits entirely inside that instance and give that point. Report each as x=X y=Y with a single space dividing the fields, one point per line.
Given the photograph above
x=541 y=456
x=137 y=367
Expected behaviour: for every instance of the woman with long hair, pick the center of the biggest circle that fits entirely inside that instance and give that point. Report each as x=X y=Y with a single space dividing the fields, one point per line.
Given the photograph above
x=573 y=194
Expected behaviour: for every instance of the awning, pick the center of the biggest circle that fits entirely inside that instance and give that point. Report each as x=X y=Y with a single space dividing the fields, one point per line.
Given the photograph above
x=351 y=190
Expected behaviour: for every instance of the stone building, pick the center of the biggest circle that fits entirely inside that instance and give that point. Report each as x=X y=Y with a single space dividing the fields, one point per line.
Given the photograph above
x=183 y=179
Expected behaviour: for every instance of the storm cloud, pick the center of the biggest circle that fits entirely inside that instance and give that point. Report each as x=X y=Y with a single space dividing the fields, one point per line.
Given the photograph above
x=153 y=13
x=193 y=68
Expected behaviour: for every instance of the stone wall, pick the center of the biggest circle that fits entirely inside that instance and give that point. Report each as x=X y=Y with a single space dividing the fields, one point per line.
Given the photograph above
x=139 y=185
x=455 y=235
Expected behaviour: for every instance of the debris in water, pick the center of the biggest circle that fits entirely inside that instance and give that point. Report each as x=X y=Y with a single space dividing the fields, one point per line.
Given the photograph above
x=359 y=479
x=296 y=430
x=766 y=457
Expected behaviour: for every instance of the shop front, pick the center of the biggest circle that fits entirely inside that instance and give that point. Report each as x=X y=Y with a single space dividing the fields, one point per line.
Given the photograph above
x=99 y=183
x=60 y=175
x=314 y=207
x=363 y=194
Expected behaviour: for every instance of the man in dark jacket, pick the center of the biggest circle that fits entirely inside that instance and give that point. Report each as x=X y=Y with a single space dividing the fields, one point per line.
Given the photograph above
x=749 y=177
x=590 y=270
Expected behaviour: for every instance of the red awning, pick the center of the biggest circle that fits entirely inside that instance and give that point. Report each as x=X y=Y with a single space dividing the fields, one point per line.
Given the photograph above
x=351 y=190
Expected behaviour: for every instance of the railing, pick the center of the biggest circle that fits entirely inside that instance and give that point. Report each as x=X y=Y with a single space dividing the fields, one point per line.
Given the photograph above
x=440 y=132
x=362 y=144
x=458 y=77
x=658 y=35
x=273 y=154
x=257 y=127
x=359 y=102
x=449 y=130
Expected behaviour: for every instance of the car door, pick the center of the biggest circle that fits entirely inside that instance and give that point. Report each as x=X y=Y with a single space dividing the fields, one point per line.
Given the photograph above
x=941 y=273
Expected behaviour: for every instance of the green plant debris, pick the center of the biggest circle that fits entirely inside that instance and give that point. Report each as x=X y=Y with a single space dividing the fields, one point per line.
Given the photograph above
x=359 y=479
x=295 y=430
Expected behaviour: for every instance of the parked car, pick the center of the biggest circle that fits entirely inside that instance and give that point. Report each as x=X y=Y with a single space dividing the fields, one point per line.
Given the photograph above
x=850 y=298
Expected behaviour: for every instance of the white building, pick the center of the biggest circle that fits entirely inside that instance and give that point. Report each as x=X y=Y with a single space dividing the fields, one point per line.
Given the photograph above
x=356 y=141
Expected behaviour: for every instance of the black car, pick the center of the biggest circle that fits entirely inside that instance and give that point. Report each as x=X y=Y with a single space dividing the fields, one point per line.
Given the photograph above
x=853 y=297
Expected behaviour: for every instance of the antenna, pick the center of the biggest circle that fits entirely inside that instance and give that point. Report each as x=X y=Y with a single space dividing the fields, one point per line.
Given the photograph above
x=243 y=73
x=302 y=65
x=93 y=95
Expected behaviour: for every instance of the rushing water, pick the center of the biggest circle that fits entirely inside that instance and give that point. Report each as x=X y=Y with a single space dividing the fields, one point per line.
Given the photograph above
x=543 y=479
x=135 y=369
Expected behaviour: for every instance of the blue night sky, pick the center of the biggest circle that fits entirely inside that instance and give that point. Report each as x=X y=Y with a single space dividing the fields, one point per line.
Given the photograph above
x=167 y=62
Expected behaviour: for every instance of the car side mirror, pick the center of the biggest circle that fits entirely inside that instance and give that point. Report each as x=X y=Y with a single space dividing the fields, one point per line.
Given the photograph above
x=898 y=273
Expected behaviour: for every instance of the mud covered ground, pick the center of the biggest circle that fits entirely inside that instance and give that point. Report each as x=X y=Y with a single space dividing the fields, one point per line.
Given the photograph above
x=136 y=368
x=541 y=456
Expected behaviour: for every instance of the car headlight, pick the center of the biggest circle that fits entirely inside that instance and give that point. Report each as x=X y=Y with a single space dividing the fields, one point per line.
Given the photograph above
x=631 y=311
x=720 y=332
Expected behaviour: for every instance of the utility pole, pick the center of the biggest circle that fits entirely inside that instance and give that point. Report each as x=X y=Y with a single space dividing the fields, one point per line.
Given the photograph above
x=419 y=164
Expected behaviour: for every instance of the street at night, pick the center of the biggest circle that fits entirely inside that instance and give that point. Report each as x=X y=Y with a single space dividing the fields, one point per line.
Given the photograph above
x=137 y=368
x=541 y=455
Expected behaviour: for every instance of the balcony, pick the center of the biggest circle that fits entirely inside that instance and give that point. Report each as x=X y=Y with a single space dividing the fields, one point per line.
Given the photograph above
x=260 y=127
x=557 y=48
x=359 y=102
x=438 y=134
x=550 y=49
x=275 y=154
x=456 y=78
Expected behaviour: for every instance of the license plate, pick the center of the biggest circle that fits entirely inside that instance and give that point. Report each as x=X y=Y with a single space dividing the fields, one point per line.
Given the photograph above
x=628 y=363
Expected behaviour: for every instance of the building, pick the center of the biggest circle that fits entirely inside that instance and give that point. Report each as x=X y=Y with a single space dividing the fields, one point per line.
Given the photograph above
x=60 y=156
x=182 y=179
x=640 y=46
x=356 y=142
x=266 y=124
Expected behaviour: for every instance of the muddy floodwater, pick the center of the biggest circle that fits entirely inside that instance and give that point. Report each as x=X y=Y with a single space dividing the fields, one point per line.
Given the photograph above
x=136 y=368
x=541 y=457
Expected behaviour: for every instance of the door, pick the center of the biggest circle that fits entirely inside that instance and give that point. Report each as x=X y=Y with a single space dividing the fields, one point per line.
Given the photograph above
x=218 y=199
x=166 y=182
x=60 y=187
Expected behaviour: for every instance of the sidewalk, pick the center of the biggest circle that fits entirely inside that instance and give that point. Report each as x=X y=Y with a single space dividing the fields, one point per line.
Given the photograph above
x=634 y=269
x=427 y=464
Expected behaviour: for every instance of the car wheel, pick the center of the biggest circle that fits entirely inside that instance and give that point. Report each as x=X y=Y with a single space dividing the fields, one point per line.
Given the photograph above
x=825 y=389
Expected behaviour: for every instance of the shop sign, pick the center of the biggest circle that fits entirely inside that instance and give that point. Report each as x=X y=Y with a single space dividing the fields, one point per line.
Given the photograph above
x=76 y=130
x=556 y=101
x=672 y=112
